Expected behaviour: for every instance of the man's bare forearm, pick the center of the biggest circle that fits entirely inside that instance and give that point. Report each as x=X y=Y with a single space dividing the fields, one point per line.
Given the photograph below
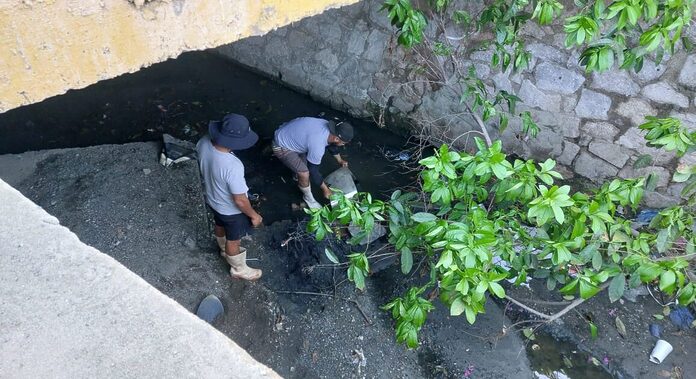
x=340 y=160
x=242 y=202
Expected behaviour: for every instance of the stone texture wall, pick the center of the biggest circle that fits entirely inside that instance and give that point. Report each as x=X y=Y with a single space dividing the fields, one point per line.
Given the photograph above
x=49 y=47
x=349 y=58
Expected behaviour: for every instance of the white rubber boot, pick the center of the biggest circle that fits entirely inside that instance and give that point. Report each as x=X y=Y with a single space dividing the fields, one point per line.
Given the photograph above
x=308 y=197
x=221 y=241
x=239 y=268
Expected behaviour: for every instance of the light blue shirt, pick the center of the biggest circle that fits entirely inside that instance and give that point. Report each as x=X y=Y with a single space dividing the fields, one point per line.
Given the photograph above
x=305 y=135
x=223 y=176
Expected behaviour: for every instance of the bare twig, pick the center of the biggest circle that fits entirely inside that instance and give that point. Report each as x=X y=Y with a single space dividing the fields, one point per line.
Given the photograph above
x=528 y=309
x=688 y=257
x=557 y=315
x=481 y=125
x=542 y=302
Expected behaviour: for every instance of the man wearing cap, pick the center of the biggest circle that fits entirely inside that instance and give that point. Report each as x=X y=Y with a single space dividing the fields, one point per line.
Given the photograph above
x=226 y=190
x=300 y=144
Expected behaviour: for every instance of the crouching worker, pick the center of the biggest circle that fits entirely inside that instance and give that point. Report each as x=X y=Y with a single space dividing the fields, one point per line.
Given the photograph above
x=300 y=144
x=226 y=190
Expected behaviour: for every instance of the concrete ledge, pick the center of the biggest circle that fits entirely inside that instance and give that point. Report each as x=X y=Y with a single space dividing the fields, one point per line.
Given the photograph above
x=69 y=311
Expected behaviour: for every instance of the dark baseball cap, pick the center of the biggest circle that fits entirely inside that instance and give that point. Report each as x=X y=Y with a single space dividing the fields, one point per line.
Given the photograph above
x=342 y=130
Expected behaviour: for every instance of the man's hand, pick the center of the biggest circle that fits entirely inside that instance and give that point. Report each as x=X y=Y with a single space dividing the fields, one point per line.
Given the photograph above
x=256 y=220
x=326 y=191
x=342 y=162
x=242 y=202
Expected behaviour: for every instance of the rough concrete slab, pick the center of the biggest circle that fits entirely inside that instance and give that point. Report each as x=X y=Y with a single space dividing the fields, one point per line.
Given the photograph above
x=70 y=311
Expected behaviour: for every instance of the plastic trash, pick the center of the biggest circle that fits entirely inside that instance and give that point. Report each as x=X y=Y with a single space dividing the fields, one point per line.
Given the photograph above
x=342 y=179
x=176 y=151
x=681 y=317
x=210 y=308
x=655 y=330
x=403 y=156
x=253 y=196
x=660 y=351
x=396 y=155
x=646 y=215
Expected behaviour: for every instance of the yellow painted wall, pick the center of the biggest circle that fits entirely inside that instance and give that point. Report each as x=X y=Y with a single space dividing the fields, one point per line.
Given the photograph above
x=50 y=46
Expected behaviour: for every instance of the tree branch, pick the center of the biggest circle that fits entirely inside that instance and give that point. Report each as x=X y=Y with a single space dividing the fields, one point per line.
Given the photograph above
x=481 y=125
x=688 y=257
x=528 y=309
x=557 y=315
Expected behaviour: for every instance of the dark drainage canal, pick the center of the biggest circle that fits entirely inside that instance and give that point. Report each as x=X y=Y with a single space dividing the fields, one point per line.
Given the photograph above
x=179 y=97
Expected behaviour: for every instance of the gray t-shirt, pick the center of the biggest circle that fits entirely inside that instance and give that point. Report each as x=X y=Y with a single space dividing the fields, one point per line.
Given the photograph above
x=304 y=135
x=223 y=176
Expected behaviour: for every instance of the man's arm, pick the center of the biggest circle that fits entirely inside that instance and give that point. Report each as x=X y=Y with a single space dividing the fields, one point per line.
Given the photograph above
x=336 y=154
x=242 y=202
x=317 y=179
x=340 y=160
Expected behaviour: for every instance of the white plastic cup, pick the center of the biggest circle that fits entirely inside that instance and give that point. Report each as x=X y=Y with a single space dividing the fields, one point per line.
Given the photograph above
x=660 y=351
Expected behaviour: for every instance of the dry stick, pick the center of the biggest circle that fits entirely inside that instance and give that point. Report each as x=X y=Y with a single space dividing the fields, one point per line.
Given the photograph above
x=574 y=304
x=561 y=313
x=528 y=309
x=669 y=258
x=557 y=303
x=481 y=125
x=355 y=302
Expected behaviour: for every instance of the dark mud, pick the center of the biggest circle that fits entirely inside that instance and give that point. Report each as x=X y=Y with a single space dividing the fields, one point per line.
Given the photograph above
x=152 y=220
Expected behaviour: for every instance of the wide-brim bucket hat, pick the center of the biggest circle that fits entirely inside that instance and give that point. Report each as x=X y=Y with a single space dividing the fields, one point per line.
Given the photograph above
x=233 y=132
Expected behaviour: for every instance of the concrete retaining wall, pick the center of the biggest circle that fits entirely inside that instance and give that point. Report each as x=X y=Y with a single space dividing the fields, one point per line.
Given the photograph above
x=349 y=58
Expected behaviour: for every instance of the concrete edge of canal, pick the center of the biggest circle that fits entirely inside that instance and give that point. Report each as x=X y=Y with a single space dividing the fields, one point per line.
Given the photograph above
x=68 y=310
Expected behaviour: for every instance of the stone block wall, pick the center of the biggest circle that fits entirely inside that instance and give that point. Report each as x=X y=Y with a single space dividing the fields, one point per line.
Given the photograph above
x=349 y=58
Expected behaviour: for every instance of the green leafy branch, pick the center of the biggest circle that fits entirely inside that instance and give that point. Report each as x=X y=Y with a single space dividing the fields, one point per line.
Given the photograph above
x=501 y=106
x=409 y=21
x=487 y=219
x=669 y=134
x=622 y=32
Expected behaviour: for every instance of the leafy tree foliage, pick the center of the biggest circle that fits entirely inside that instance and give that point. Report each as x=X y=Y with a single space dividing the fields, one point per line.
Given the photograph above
x=621 y=32
x=483 y=218
x=484 y=221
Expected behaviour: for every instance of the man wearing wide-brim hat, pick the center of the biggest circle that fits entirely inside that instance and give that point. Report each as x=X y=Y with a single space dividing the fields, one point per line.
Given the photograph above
x=300 y=144
x=226 y=189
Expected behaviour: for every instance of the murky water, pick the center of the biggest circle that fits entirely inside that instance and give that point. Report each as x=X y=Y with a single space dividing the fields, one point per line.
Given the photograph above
x=553 y=359
x=180 y=96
